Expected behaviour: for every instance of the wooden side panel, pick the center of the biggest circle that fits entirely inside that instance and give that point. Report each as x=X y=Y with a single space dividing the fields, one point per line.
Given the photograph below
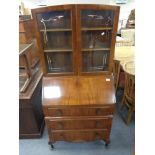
x=83 y=111
x=31 y=119
x=27 y=122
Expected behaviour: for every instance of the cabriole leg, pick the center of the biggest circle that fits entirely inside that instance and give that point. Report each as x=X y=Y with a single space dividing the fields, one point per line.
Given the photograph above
x=51 y=144
x=107 y=142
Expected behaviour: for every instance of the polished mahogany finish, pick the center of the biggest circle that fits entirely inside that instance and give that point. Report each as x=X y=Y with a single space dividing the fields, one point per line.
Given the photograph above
x=76 y=39
x=74 y=90
x=78 y=108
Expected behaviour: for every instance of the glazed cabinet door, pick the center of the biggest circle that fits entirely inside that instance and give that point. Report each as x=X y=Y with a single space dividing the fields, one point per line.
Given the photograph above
x=56 y=34
x=97 y=26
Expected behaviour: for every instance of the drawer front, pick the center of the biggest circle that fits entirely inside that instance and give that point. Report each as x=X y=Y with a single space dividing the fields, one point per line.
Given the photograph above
x=77 y=136
x=78 y=123
x=76 y=111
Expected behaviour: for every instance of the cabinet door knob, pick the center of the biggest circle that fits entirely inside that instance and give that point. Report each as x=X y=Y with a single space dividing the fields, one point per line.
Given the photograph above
x=98 y=111
x=60 y=125
x=59 y=112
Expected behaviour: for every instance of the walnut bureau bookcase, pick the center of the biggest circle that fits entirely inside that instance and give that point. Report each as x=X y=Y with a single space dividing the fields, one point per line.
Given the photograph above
x=76 y=45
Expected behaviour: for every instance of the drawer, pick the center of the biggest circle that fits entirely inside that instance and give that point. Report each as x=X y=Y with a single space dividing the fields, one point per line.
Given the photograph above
x=78 y=136
x=82 y=111
x=78 y=123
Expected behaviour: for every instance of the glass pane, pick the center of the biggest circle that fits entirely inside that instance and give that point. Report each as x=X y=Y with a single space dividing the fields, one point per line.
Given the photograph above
x=59 y=62
x=97 y=18
x=96 y=39
x=54 y=20
x=56 y=34
x=95 y=61
x=57 y=40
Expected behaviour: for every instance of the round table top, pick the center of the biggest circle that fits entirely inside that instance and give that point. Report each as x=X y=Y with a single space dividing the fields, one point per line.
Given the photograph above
x=125 y=54
x=129 y=67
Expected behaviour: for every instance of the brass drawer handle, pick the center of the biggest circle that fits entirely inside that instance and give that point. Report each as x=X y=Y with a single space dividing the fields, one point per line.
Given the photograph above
x=96 y=135
x=60 y=126
x=98 y=124
x=62 y=135
x=58 y=112
x=98 y=111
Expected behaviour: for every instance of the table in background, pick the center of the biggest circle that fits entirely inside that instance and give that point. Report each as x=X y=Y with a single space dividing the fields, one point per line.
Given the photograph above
x=126 y=55
x=129 y=67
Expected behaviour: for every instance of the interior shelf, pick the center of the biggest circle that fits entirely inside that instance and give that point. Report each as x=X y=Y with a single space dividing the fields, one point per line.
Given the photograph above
x=95 y=28
x=95 y=49
x=58 y=50
x=61 y=70
x=59 y=73
x=99 y=46
x=55 y=30
x=95 y=69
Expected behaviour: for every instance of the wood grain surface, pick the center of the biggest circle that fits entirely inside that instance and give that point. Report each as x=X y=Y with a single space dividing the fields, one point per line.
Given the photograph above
x=78 y=90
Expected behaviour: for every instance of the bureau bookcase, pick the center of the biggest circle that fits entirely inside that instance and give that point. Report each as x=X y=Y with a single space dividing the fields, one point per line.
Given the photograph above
x=77 y=41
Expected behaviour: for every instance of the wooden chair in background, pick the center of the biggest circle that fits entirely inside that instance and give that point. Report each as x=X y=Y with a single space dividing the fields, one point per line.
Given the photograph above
x=116 y=72
x=129 y=95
